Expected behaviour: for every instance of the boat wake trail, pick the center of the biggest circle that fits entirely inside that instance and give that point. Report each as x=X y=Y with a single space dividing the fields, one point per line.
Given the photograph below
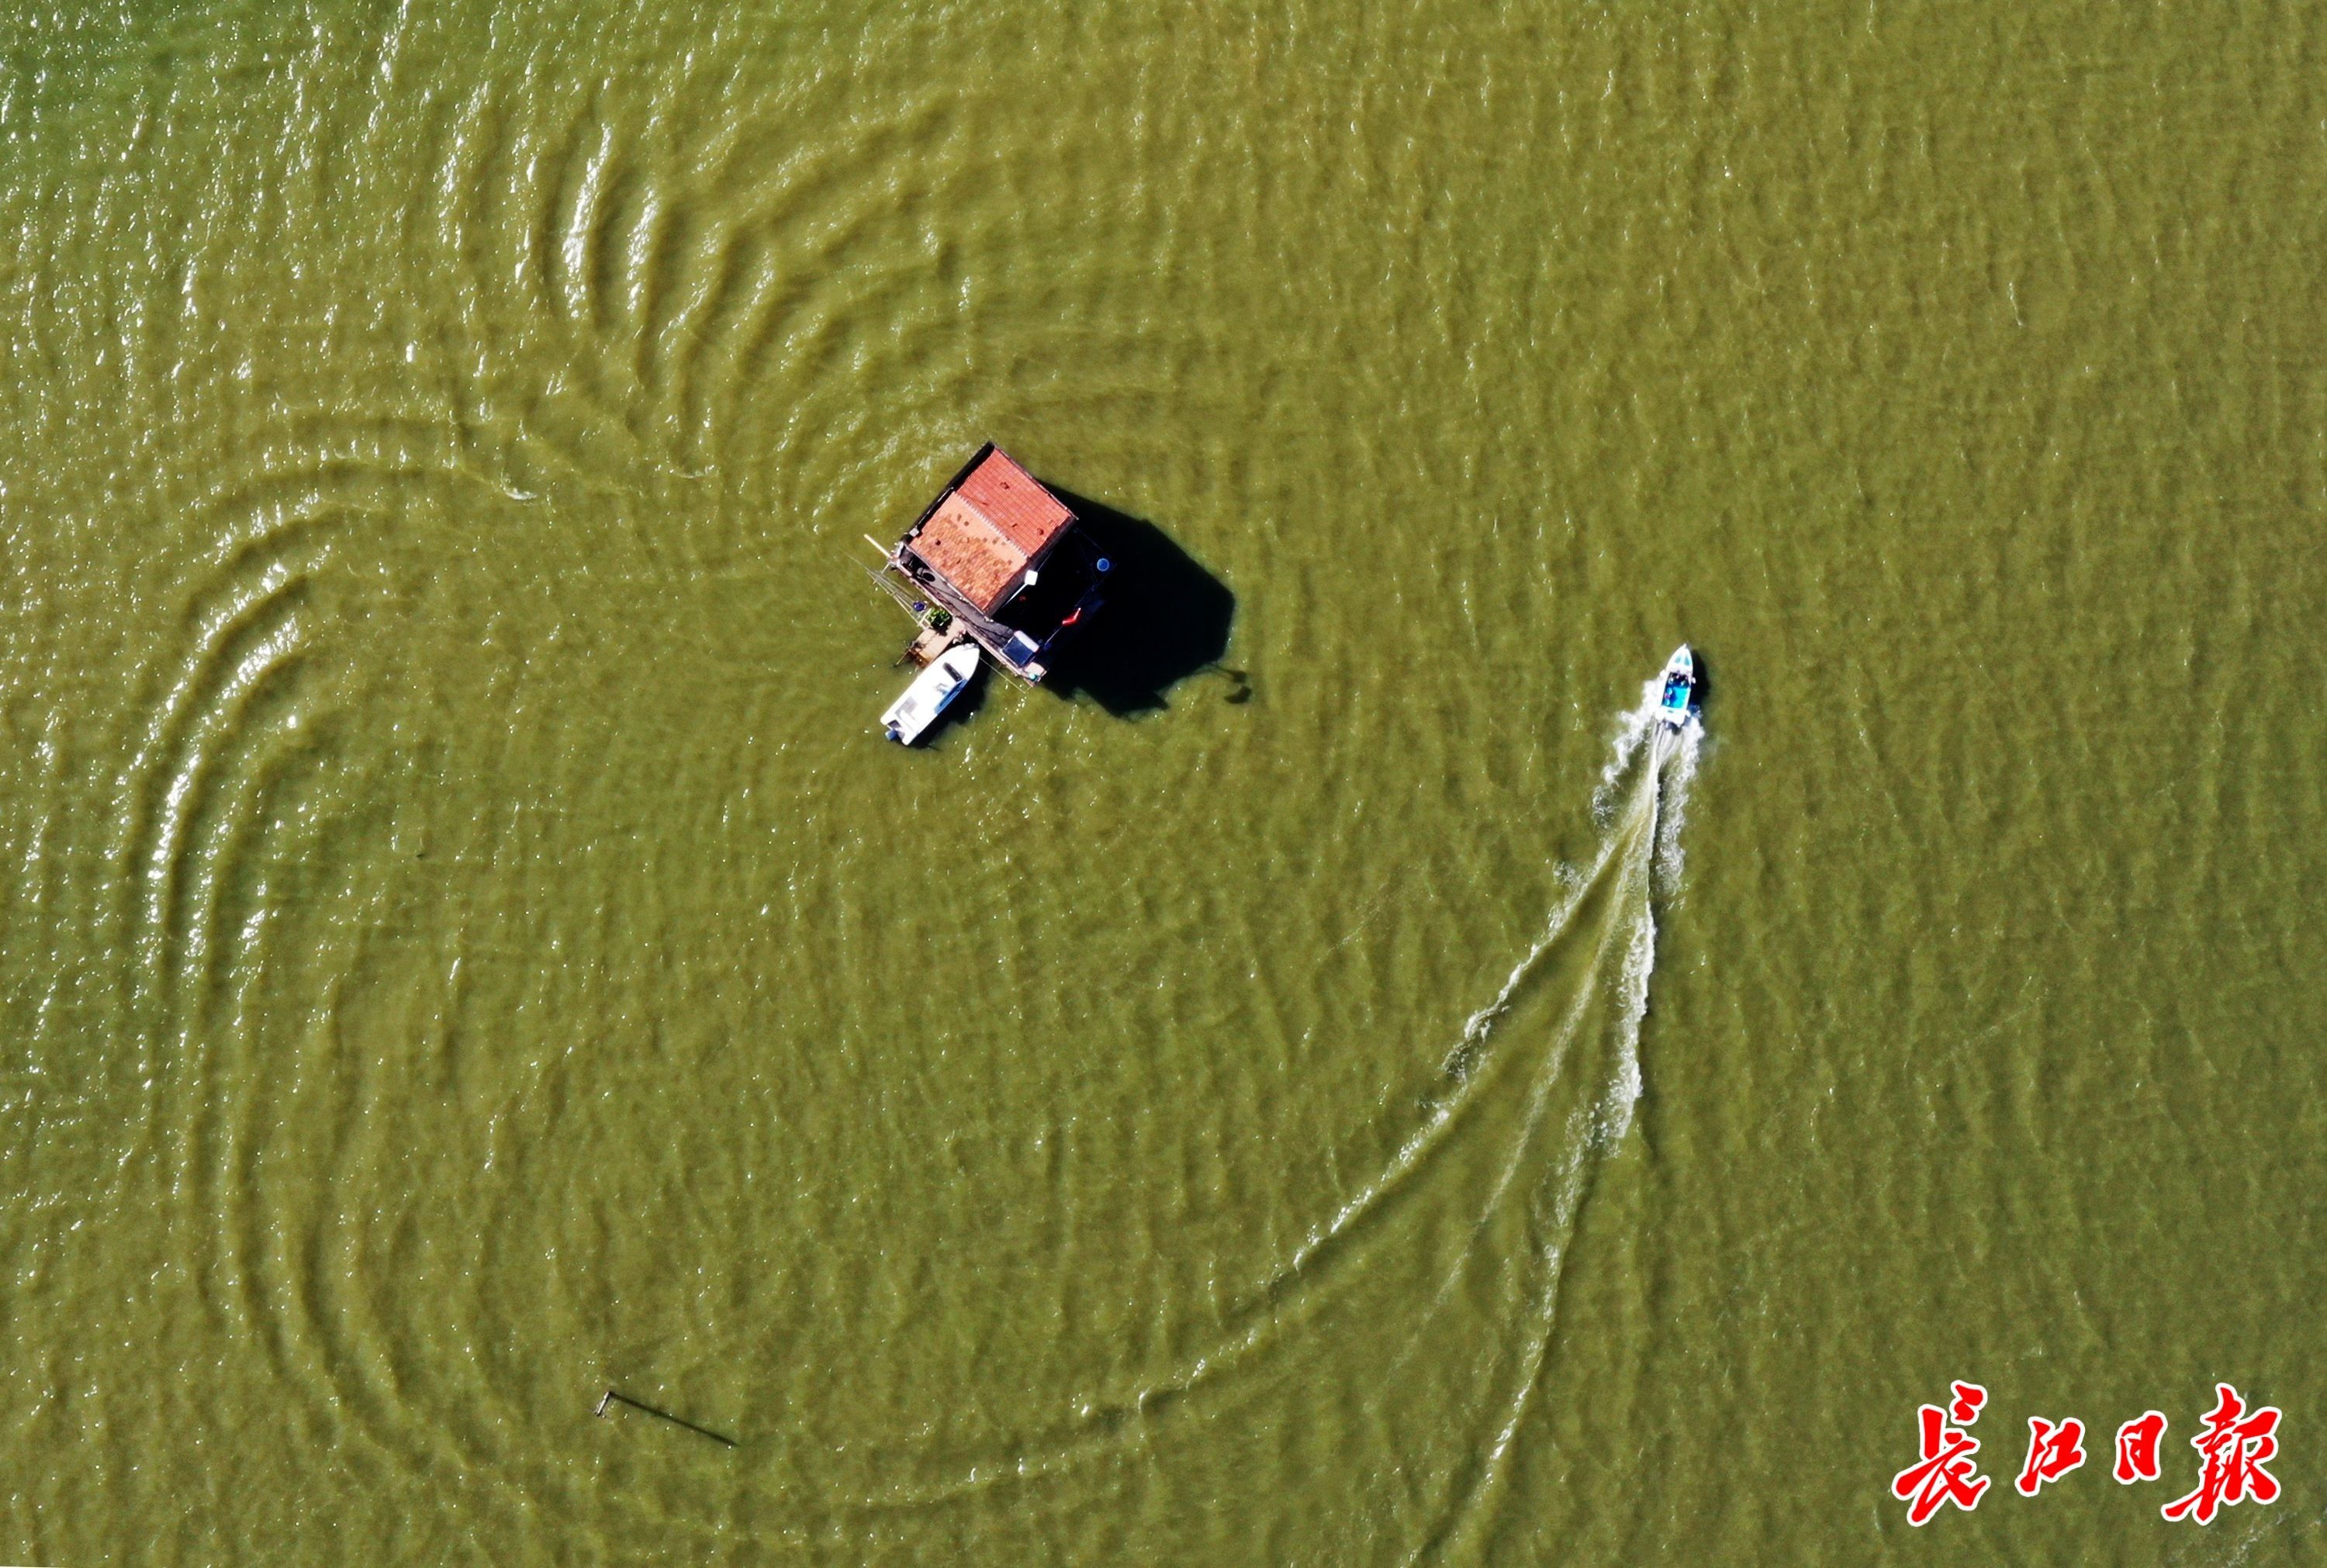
x=1458 y=1239
x=1609 y=915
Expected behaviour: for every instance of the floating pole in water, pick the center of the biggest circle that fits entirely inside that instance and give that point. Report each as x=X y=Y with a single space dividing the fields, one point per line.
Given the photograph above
x=614 y=1398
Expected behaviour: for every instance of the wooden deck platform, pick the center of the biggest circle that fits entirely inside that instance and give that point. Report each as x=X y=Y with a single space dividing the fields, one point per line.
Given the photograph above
x=930 y=647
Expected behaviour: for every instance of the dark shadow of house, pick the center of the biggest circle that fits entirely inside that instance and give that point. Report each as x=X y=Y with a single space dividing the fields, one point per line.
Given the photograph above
x=1166 y=618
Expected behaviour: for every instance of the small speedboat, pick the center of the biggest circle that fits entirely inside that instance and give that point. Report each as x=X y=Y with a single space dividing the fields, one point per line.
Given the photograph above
x=929 y=695
x=1680 y=688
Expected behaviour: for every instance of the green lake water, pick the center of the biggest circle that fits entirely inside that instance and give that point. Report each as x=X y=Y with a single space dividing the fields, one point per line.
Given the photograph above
x=464 y=944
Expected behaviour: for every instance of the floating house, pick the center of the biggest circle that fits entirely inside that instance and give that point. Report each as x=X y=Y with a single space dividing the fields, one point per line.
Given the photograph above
x=1000 y=561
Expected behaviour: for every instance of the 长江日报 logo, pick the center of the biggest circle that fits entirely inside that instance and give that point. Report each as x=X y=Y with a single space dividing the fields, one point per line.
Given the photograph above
x=2234 y=1443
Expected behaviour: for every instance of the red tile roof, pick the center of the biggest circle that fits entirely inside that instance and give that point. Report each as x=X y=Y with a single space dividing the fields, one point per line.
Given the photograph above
x=996 y=521
x=1013 y=501
x=969 y=552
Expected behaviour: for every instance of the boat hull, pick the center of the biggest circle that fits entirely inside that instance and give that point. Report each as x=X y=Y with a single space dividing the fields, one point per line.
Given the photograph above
x=934 y=690
x=1678 y=697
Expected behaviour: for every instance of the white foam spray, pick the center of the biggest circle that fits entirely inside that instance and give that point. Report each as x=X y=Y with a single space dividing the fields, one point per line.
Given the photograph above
x=1640 y=804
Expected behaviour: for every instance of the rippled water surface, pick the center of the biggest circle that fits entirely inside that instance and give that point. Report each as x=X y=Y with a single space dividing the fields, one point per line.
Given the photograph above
x=465 y=946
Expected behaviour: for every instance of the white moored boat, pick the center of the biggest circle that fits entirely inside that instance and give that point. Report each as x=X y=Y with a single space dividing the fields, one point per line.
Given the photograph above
x=1680 y=688
x=932 y=691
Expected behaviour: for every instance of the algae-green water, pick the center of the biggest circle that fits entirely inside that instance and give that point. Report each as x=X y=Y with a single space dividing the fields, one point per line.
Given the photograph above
x=1365 y=1095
